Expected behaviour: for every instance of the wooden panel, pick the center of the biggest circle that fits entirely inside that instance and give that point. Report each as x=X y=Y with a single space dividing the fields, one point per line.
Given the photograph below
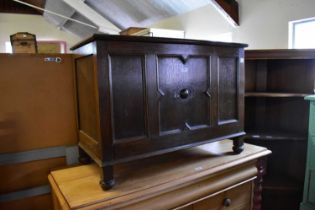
x=275 y=116
x=282 y=76
x=128 y=88
x=41 y=202
x=230 y=8
x=283 y=54
x=37 y=106
x=240 y=198
x=27 y=175
x=250 y=75
x=177 y=74
x=228 y=77
x=87 y=96
x=192 y=174
x=9 y=6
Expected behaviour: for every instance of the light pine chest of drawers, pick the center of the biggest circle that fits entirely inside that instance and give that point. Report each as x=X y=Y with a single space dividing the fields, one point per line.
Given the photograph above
x=200 y=178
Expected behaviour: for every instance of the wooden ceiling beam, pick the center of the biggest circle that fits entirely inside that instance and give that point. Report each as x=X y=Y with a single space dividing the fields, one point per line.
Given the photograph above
x=230 y=9
x=9 y=6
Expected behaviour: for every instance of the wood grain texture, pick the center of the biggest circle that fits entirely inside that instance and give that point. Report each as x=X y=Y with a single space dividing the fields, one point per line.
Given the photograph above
x=230 y=8
x=240 y=198
x=37 y=107
x=128 y=87
x=87 y=97
x=276 y=117
x=159 y=95
x=8 y=6
x=27 y=175
x=158 y=182
x=31 y=203
x=261 y=167
x=142 y=39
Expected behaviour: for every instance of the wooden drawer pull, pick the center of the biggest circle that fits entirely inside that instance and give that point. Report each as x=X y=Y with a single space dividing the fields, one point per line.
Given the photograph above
x=227 y=202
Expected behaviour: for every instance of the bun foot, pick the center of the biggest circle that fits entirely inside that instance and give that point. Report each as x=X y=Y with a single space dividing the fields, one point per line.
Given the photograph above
x=107 y=185
x=238 y=146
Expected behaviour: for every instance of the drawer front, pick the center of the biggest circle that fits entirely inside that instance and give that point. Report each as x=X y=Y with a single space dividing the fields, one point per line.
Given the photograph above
x=238 y=198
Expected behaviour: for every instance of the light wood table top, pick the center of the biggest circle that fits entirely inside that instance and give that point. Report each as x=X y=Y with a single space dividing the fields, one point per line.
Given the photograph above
x=79 y=186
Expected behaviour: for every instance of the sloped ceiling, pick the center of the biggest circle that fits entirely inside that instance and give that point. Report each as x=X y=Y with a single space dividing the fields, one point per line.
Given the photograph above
x=121 y=13
x=141 y=13
x=62 y=8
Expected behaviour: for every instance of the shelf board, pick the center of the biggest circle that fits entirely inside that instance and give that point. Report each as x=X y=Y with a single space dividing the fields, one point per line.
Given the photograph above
x=275 y=95
x=275 y=136
x=282 y=184
x=279 y=54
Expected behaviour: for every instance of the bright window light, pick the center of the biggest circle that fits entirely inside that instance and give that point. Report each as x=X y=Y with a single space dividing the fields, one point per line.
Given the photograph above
x=302 y=33
x=8 y=47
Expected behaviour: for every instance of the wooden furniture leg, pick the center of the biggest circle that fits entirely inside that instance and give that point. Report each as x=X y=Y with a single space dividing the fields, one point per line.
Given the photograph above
x=238 y=145
x=261 y=167
x=107 y=177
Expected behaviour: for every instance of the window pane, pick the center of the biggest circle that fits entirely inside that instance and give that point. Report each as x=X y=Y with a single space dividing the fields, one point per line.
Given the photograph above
x=304 y=34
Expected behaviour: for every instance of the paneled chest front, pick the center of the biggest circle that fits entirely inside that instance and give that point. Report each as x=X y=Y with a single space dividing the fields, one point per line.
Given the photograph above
x=144 y=96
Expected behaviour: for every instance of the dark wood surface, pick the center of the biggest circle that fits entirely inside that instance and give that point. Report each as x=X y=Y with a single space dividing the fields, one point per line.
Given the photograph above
x=9 y=6
x=261 y=171
x=157 y=95
x=99 y=37
x=276 y=116
x=280 y=54
x=231 y=8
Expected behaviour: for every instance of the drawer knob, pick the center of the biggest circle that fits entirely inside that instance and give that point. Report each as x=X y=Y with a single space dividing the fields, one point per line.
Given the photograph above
x=184 y=93
x=227 y=202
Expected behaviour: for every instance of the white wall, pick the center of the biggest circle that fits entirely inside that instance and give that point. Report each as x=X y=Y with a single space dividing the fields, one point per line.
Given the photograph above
x=204 y=23
x=263 y=23
x=35 y=24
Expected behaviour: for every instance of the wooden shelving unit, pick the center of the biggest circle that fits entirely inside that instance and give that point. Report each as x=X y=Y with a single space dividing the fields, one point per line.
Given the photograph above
x=276 y=116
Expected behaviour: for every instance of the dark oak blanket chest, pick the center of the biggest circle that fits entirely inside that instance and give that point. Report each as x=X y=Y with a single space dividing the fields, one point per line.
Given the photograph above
x=144 y=96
